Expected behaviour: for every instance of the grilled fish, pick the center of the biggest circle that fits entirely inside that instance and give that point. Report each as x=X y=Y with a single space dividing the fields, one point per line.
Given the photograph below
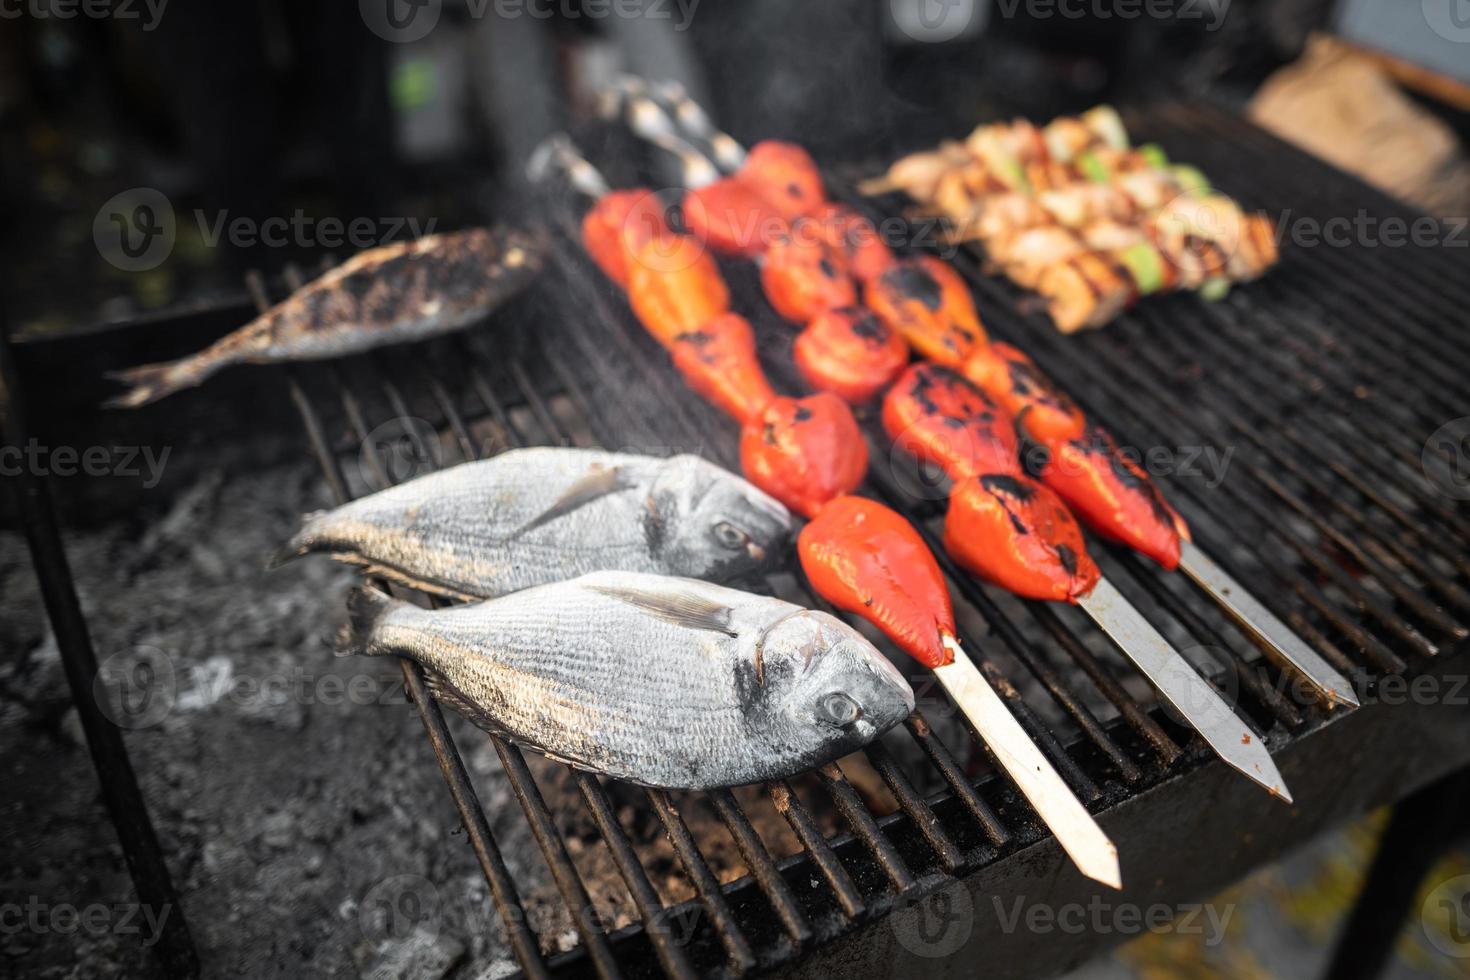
x=532 y=516
x=401 y=292
x=665 y=682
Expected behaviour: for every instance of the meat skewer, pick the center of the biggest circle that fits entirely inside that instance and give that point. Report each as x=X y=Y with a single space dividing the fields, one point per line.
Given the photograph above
x=866 y=559
x=1052 y=419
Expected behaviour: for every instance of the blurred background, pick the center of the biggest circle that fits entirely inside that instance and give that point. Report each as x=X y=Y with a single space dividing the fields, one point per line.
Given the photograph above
x=181 y=117
x=256 y=109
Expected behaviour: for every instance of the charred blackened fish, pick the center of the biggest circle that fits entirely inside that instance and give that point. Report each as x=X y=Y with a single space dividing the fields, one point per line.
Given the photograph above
x=661 y=681
x=533 y=516
x=388 y=295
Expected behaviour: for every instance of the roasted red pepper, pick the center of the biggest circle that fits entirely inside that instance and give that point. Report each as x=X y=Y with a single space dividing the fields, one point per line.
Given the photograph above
x=868 y=256
x=785 y=175
x=803 y=275
x=1013 y=380
x=1112 y=494
x=864 y=558
x=850 y=353
x=675 y=287
x=1014 y=532
x=719 y=362
x=618 y=225
x=927 y=301
x=804 y=451
x=937 y=416
x=732 y=217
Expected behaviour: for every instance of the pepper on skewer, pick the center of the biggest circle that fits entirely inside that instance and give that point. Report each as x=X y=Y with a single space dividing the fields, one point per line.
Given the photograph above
x=1152 y=654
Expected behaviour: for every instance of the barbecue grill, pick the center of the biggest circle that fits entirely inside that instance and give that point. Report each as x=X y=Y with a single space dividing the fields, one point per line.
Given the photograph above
x=1323 y=380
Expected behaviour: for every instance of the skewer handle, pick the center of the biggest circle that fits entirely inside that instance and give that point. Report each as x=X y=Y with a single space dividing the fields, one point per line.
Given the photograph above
x=558 y=151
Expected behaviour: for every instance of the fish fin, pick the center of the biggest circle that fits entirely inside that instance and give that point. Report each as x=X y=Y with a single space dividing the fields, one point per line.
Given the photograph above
x=596 y=484
x=150 y=382
x=675 y=606
x=399 y=577
x=450 y=696
x=366 y=607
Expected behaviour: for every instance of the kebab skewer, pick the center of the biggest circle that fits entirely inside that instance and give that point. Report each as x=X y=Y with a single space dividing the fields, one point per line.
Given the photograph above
x=1119 y=501
x=930 y=304
x=1112 y=486
x=1193 y=238
x=859 y=555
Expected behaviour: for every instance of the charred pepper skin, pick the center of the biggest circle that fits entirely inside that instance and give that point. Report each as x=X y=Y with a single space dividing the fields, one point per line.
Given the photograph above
x=719 y=362
x=929 y=304
x=803 y=276
x=674 y=287
x=1014 y=532
x=1112 y=494
x=804 y=451
x=785 y=175
x=1017 y=384
x=732 y=218
x=866 y=559
x=856 y=238
x=939 y=417
x=849 y=352
x=618 y=225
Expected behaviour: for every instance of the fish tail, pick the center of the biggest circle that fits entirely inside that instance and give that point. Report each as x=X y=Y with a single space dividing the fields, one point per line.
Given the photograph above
x=366 y=607
x=150 y=382
x=301 y=543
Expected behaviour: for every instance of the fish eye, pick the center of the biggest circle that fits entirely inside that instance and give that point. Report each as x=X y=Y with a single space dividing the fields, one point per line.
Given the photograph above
x=839 y=709
x=731 y=536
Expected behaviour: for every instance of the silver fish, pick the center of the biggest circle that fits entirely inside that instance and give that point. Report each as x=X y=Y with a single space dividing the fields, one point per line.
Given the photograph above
x=660 y=681
x=388 y=295
x=532 y=516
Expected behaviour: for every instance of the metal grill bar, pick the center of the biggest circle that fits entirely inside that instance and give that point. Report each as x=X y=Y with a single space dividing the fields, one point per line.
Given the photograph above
x=1378 y=609
x=472 y=814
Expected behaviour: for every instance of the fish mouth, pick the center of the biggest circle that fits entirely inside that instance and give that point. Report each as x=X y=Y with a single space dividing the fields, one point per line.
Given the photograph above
x=756 y=552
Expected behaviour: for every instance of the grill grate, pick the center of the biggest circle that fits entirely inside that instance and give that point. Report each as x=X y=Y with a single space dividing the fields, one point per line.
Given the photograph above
x=1317 y=377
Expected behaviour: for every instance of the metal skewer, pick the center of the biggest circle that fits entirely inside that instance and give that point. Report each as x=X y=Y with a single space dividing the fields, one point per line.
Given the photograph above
x=1079 y=835
x=1273 y=636
x=1170 y=673
x=1180 y=685
x=1090 y=849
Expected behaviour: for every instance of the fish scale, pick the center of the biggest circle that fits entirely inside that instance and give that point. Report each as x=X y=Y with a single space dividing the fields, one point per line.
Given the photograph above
x=533 y=516
x=637 y=676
